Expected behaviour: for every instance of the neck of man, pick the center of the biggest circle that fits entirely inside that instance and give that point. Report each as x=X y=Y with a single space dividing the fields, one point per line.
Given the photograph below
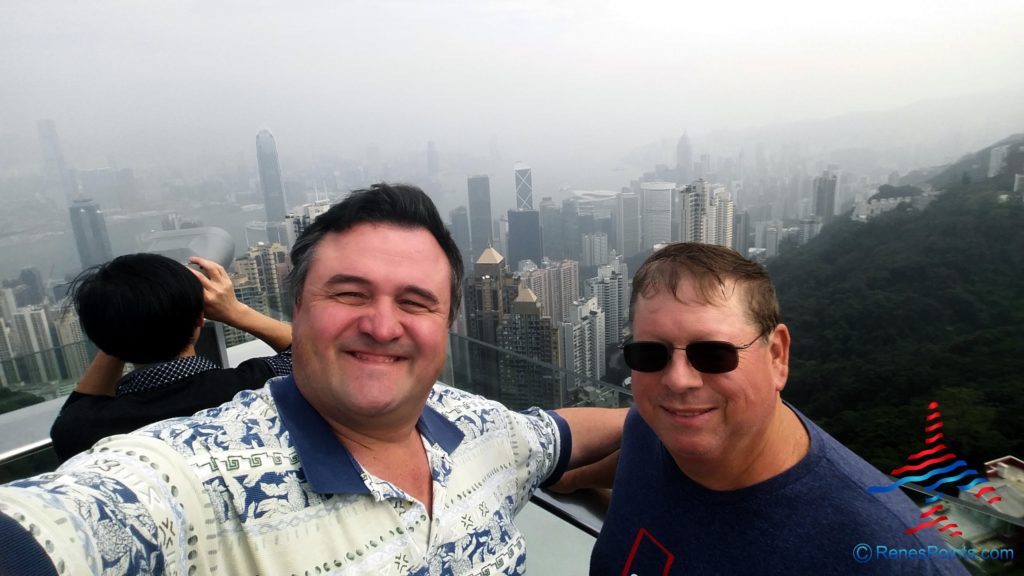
x=782 y=445
x=393 y=454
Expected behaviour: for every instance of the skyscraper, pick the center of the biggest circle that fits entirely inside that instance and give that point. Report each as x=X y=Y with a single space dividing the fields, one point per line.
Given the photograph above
x=825 y=196
x=694 y=220
x=684 y=159
x=532 y=336
x=551 y=229
x=720 y=219
x=267 y=265
x=60 y=182
x=656 y=203
x=524 y=237
x=595 y=249
x=90 y=231
x=611 y=289
x=479 y=214
x=524 y=187
x=628 y=224
x=37 y=345
x=460 y=233
x=489 y=291
x=270 y=176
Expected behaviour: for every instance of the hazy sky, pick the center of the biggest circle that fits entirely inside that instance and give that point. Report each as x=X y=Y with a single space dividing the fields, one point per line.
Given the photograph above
x=142 y=79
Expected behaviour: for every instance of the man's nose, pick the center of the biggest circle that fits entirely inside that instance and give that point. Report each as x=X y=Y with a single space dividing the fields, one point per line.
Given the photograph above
x=381 y=322
x=680 y=375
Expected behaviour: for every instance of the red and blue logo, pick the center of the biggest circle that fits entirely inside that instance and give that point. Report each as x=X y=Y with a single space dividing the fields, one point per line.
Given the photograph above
x=939 y=466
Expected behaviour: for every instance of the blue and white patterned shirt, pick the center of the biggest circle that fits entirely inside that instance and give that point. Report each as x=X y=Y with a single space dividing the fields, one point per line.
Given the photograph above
x=260 y=485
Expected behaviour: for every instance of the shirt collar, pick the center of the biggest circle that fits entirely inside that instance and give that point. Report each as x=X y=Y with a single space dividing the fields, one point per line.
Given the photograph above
x=329 y=466
x=163 y=374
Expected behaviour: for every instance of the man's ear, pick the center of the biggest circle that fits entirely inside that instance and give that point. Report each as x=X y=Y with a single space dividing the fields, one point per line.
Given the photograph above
x=778 y=346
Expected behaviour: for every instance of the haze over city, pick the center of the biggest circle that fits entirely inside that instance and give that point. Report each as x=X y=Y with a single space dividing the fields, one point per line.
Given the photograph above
x=589 y=93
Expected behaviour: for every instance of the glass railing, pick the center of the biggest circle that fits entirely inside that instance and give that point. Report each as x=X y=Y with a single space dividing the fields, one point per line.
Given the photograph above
x=40 y=376
x=521 y=381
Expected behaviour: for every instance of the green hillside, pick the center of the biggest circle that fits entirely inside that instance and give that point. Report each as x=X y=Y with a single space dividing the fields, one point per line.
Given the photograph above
x=911 y=307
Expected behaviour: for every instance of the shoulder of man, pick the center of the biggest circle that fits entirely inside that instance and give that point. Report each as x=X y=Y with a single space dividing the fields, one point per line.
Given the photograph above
x=247 y=419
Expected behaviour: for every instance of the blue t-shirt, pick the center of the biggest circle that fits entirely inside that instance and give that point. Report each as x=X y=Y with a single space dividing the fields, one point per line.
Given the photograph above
x=807 y=520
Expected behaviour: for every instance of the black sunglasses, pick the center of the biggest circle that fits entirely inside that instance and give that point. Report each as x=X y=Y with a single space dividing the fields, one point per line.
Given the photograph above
x=709 y=356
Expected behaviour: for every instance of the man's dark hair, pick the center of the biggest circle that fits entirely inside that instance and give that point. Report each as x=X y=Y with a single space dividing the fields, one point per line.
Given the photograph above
x=399 y=205
x=141 y=308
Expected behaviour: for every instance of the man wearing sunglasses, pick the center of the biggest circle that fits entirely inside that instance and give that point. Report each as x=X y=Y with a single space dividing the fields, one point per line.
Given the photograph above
x=717 y=475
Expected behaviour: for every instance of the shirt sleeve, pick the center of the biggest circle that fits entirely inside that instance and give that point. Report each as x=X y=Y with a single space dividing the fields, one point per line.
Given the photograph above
x=541 y=445
x=123 y=509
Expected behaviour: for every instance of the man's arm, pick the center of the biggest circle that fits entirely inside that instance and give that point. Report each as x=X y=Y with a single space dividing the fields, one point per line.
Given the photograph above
x=596 y=432
x=100 y=378
x=600 y=474
x=220 y=303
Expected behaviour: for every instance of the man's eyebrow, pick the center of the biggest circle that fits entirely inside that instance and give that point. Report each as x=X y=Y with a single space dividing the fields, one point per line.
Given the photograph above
x=422 y=293
x=346 y=279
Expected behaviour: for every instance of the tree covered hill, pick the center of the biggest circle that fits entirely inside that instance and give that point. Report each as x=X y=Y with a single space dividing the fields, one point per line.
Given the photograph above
x=913 y=307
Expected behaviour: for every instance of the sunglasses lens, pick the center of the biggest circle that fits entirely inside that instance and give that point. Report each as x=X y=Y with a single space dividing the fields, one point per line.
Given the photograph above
x=645 y=356
x=712 y=357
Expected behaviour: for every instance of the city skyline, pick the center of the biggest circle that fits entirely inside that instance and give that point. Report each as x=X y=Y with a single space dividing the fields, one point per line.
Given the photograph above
x=107 y=75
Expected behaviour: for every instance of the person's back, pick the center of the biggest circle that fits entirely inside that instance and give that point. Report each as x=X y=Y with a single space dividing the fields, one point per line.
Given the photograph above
x=148 y=309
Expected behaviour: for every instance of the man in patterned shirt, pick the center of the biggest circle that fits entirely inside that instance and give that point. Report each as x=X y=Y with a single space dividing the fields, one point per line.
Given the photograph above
x=148 y=309
x=358 y=463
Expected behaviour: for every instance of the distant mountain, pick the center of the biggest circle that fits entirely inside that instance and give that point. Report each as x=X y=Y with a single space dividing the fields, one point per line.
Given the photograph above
x=925 y=133
x=913 y=307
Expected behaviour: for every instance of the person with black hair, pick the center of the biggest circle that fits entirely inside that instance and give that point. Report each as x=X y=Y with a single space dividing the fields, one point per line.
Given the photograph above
x=148 y=309
x=358 y=463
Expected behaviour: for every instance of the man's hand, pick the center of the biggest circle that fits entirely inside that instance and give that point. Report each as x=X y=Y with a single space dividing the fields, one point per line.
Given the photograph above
x=219 y=301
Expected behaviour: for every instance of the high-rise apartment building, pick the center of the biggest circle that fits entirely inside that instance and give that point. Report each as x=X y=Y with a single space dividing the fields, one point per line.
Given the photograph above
x=90 y=230
x=270 y=176
x=249 y=292
x=825 y=196
x=656 y=204
x=37 y=345
x=611 y=289
x=479 y=215
x=531 y=337
x=488 y=292
x=582 y=342
x=297 y=222
x=8 y=350
x=556 y=285
x=268 y=265
x=524 y=237
x=720 y=219
x=524 y=187
x=707 y=216
x=693 y=221
x=595 y=249
x=73 y=343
